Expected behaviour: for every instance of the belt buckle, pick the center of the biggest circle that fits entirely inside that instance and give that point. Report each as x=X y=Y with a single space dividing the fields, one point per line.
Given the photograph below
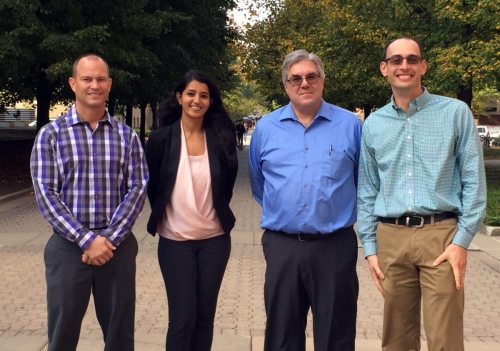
x=300 y=239
x=416 y=226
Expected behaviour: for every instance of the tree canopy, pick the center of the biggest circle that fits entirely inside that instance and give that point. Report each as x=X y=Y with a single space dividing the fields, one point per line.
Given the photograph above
x=148 y=45
x=460 y=38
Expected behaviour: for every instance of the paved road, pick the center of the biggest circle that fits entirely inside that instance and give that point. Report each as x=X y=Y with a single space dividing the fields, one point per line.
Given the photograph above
x=240 y=320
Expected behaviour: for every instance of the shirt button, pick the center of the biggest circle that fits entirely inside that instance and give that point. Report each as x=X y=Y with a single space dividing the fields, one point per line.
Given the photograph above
x=96 y=196
x=305 y=224
x=305 y=185
x=409 y=191
x=407 y=120
x=307 y=148
x=409 y=208
x=306 y=166
x=409 y=174
x=409 y=155
x=304 y=205
x=409 y=136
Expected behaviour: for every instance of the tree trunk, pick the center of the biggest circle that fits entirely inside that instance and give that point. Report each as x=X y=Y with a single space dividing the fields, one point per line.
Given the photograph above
x=465 y=93
x=43 y=99
x=128 y=115
x=367 y=109
x=143 y=124
x=111 y=104
x=154 y=119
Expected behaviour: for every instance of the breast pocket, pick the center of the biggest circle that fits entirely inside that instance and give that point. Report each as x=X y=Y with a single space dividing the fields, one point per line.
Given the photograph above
x=336 y=165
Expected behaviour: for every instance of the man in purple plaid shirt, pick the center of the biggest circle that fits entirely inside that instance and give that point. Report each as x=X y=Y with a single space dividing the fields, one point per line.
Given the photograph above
x=90 y=175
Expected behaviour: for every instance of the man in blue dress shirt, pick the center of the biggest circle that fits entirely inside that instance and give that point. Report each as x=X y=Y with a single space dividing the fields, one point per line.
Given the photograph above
x=421 y=199
x=303 y=164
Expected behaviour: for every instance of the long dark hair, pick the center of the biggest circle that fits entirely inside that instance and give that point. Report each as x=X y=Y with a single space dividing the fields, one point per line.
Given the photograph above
x=217 y=124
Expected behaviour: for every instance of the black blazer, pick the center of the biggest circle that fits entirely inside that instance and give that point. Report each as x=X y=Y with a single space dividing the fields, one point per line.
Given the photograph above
x=163 y=154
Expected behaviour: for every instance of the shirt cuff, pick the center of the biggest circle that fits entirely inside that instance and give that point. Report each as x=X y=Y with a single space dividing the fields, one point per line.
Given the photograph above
x=462 y=238
x=108 y=233
x=370 y=248
x=87 y=237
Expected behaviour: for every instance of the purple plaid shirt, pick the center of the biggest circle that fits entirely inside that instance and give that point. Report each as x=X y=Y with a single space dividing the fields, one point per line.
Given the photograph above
x=89 y=182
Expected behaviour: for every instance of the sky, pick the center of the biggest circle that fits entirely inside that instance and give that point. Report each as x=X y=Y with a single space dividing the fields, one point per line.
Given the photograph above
x=240 y=12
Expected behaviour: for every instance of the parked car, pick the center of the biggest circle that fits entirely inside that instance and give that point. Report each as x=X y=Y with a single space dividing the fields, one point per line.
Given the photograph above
x=491 y=131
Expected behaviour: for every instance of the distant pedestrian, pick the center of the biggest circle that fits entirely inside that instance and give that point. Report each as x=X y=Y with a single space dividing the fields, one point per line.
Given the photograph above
x=421 y=200
x=240 y=131
x=89 y=174
x=193 y=166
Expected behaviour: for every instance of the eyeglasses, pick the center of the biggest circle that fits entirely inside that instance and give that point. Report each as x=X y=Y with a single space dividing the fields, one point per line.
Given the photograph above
x=311 y=78
x=397 y=60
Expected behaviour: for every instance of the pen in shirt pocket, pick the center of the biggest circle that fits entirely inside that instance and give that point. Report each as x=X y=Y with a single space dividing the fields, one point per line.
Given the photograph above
x=330 y=151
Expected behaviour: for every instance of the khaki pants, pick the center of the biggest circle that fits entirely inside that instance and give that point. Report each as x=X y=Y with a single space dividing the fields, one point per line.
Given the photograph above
x=405 y=256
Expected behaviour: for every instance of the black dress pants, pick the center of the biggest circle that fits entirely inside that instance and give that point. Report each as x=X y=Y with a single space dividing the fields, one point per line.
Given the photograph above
x=193 y=272
x=70 y=283
x=320 y=275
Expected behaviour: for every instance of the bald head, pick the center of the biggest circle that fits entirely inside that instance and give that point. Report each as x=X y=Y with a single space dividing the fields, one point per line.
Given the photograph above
x=386 y=47
x=88 y=57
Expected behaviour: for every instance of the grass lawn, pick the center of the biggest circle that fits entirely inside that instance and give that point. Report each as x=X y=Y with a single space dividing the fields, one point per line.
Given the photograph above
x=493 y=203
x=491 y=153
x=493 y=185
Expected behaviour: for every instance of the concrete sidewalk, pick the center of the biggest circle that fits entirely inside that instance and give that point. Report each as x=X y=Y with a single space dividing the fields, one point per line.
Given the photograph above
x=240 y=318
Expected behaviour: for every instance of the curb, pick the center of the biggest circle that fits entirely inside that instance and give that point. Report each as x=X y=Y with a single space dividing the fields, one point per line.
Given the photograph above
x=17 y=194
x=489 y=230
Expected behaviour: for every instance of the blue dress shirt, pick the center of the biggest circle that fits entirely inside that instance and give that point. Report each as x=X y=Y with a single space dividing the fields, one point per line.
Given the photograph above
x=424 y=161
x=305 y=178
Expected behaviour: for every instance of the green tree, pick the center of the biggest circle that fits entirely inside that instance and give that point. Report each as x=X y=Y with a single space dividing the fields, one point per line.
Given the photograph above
x=148 y=45
x=322 y=27
x=482 y=98
x=245 y=100
x=461 y=40
x=44 y=37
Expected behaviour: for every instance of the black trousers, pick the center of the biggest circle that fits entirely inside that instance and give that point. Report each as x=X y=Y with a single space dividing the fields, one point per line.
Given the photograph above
x=70 y=283
x=193 y=272
x=320 y=275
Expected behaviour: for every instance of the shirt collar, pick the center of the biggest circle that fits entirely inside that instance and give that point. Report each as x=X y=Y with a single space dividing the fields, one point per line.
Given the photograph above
x=418 y=102
x=323 y=111
x=74 y=118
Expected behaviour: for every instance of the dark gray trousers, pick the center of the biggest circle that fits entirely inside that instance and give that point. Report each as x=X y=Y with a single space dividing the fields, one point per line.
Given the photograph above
x=70 y=283
x=320 y=275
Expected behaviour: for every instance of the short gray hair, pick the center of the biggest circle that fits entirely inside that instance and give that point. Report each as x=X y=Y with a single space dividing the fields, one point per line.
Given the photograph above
x=301 y=55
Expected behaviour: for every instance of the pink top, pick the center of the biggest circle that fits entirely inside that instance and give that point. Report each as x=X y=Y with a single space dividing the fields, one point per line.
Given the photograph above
x=190 y=214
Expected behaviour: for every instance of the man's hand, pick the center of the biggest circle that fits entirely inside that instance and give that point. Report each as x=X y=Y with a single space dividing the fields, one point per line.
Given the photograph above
x=98 y=252
x=457 y=256
x=375 y=271
x=86 y=259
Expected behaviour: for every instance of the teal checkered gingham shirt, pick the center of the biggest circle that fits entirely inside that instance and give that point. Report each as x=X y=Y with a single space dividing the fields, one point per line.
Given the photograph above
x=425 y=161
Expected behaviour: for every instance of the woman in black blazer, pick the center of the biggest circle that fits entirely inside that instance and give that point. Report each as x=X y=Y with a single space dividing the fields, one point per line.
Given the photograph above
x=193 y=165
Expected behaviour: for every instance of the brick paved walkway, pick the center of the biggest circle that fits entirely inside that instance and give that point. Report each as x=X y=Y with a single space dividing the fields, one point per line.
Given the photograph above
x=23 y=233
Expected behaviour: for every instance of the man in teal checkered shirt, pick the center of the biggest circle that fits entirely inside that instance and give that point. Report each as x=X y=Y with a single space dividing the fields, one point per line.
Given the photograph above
x=421 y=199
